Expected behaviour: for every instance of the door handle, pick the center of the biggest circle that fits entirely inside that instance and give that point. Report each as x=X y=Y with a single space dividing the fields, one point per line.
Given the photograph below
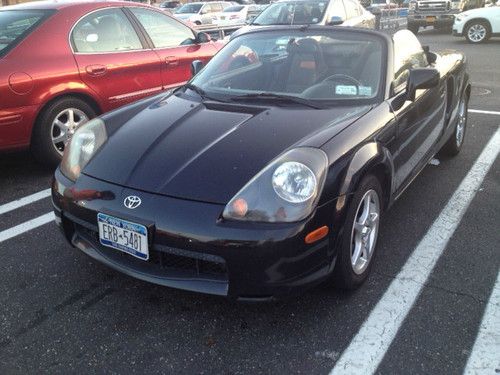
x=172 y=61
x=96 y=70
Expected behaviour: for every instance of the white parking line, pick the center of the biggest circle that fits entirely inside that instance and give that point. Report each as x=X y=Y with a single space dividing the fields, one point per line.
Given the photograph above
x=485 y=356
x=26 y=226
x=24 y=201
x=484 y=112
x=368 y=347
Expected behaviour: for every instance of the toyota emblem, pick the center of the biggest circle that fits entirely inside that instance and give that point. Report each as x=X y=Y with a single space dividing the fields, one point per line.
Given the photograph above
x=132 y=201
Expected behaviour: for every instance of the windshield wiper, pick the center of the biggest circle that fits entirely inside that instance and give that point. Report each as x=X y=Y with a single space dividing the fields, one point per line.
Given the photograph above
x=278 y=97
x=197 y=90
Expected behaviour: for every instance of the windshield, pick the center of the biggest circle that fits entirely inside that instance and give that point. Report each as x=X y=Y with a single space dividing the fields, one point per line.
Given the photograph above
x=292 y=13
x=318 y=66
x=16 y=24
x=189 y=8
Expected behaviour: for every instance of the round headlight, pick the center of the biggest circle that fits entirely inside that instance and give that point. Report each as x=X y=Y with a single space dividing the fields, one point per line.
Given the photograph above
x=294 y=182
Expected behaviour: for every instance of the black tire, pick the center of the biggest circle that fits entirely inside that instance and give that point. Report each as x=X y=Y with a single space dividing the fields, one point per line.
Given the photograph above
x=454 y=144
x=42 y=146
x=197 y=23
x=413 y=28
x=344 y=275
x=479 y=25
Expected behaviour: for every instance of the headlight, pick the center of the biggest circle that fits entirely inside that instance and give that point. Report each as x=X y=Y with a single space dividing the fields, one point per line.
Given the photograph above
x=287 y=190
x=461 y=17
x=412 y=6
x=455 y=5
x=83 y=145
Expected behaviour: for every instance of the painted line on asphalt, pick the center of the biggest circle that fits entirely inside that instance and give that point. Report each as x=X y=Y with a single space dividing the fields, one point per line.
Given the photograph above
x=26 y=226
x=485 y=356
x=24 y=201
x=484 y=112
x=368 y=347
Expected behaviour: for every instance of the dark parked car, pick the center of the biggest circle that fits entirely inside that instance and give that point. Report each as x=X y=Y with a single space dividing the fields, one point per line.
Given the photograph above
x=268 y=172
x=62 y=63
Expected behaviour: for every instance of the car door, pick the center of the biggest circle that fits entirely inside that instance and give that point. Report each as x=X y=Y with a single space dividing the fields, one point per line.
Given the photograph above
x=206 y=13
x=112 y=58
x=421 y=122
x=355 y=14
x=173 y=42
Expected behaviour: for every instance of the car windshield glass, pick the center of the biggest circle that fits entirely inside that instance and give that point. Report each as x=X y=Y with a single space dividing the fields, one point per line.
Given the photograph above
x=236 y=8
x=319 y=66
x=292 y=13
x=189 y=8
x=14 y=24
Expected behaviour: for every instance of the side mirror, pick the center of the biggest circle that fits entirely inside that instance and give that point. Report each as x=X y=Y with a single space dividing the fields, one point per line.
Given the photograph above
x=336 y=20
x=202 y=38
x=421 y=78
x=196 y=66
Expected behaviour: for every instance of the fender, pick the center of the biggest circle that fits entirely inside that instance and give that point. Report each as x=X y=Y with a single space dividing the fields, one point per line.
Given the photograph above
x=371 y=157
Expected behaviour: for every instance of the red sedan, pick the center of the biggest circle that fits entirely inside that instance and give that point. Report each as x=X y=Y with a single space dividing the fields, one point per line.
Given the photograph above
x=63 y=63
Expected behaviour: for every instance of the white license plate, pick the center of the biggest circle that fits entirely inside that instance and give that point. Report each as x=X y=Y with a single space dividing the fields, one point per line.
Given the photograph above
x=123 y=235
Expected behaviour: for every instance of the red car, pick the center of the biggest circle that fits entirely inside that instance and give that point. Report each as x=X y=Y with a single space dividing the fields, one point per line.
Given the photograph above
x=62 y=63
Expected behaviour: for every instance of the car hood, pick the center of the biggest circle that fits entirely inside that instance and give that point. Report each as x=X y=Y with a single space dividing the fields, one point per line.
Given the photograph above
x=208 y=151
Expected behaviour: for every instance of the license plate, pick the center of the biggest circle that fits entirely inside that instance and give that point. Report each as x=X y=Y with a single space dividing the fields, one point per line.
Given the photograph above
x=430 y=19
x=123 y=235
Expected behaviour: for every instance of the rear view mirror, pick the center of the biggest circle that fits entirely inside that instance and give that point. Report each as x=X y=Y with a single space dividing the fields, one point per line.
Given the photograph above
x=421 y=78
x=196 y=66
x=431 y=56
x=336 y=20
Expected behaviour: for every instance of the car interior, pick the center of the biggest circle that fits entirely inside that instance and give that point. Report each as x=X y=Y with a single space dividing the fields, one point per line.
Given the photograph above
x=312 y=69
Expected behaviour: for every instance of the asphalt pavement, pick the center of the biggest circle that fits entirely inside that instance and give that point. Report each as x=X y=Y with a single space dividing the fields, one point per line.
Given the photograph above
x=61 y=312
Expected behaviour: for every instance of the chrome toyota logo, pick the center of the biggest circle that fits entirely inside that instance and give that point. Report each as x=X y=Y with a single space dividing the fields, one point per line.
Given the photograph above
x=132 y=201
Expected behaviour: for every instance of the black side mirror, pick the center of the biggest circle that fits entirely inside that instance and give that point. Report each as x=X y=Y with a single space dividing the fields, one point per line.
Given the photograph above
x=336 y=20
x=421 y=78
x=202 y=38
x=196 y=66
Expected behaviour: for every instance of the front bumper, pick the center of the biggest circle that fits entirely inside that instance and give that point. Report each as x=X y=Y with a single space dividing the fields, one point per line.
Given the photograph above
x=192 y=248
x=423 y=19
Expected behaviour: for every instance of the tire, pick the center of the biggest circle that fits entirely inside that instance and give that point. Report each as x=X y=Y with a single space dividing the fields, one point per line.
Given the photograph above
x=348 y=273
x=413 y=28
x=55 y=127
x=454 y=144
x=198 y=23
x=477 y=32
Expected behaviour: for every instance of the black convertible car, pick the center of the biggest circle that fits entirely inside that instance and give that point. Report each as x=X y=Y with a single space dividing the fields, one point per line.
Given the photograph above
x=269 y=171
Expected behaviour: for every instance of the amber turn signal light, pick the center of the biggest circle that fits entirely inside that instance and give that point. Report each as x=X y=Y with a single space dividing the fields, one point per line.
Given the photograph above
x=316 y=235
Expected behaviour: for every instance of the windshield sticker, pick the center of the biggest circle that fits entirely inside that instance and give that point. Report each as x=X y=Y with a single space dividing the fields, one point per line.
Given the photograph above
x=345 y=90
x=365 y=90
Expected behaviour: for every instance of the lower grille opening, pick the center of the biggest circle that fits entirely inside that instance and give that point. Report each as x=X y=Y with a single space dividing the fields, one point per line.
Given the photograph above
x=163 y=260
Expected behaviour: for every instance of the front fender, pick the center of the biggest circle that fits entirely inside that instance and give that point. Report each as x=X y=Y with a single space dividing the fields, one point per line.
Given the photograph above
x=370 y=158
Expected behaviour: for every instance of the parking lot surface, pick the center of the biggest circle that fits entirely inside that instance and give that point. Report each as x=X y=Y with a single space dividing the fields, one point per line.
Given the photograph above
x=431 y=304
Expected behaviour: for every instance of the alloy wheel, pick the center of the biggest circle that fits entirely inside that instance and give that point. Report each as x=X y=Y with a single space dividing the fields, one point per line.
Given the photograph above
x=462 y=119
x=476 y=33
x=364 y=232
x=64 y=126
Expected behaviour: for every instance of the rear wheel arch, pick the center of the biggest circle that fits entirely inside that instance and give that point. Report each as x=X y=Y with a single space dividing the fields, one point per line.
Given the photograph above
x=41 y=143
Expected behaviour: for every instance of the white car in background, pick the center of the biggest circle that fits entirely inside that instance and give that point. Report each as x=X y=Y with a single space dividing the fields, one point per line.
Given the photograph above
x=478 y=25
x=235 y=14
x=201 y=13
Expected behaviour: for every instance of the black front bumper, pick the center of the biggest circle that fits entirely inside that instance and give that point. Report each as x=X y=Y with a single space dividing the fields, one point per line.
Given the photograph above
x=191 y=248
